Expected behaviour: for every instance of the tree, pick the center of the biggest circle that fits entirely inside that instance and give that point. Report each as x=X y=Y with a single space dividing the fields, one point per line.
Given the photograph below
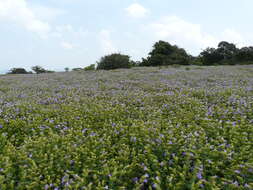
x=38 y=69
x=90 y=67
x=77 y=69
x=18 y=71
x=114 y=61
x=245 y=54
x=228 y=51
x=224 y=54
x=66 y=69
x=164 y=53
x=210 y=56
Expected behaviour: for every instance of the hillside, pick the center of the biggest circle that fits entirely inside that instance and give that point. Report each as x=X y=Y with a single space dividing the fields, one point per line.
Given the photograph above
x=185 y=127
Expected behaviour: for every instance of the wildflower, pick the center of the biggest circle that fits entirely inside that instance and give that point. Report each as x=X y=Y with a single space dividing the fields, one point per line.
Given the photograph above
x=133 y=139
x=135 y=180
x=154 y=185
x=46 y=187
x=199 y=175
x=237 y=171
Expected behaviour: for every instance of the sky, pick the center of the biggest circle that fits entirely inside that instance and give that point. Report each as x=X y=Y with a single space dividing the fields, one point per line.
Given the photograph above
x=76 y=33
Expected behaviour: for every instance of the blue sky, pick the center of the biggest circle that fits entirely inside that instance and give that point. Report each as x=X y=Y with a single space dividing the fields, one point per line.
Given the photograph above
x=75 y=33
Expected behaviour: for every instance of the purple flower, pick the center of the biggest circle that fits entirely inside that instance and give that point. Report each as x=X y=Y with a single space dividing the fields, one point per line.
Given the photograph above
x=135 y=180
x=46 y=187
x=154 y=185
x=237 y=171
x=199 y=175
x=133 y=139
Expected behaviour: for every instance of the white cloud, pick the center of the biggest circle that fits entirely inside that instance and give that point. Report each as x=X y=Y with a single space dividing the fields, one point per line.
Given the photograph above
x=18 y=11
x=136 y=11
x=191 y=36
x=67 y=45
x=233 y=36
x=46 y=13
x=106 y=42
x=183 y=33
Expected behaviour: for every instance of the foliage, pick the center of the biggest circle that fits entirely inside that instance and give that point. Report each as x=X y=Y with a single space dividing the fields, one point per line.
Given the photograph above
x=210 y=56
x=114 y=61
x=77 y=69
x=164 y=53
x=18 y=71
x=91 y=67
x=140 y=128
x=66 y=69
x=225 y=54
x=38 y=70
x=245 y=54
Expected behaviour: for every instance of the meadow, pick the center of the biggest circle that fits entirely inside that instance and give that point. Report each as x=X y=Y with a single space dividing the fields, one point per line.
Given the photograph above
x=185 y=127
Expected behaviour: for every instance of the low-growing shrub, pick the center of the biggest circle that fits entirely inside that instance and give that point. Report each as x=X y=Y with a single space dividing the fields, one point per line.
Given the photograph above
x=114 y=61
x=91 y=67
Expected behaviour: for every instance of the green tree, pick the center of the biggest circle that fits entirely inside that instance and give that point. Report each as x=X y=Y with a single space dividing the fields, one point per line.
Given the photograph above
x=77 y=69
x=245 y=54
x=18 y=71
x=114 y=61
x=164 y=53
x=210 y=56
x=227 y=51
x=38 y=69
x=225 y=54
x=91 y=67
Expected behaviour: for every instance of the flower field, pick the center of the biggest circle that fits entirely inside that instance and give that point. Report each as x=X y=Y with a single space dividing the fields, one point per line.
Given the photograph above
x=172 y=128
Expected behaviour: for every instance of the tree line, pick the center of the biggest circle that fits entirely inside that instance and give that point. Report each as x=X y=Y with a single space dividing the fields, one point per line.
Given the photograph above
x=162 y=54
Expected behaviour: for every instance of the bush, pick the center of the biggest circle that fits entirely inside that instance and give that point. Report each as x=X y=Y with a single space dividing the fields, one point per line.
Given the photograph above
x=90 y=67
x=114 y=61
x=18 y=71
x=77 y=69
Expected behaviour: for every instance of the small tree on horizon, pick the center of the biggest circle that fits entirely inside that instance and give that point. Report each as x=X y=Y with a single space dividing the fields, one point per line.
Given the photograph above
x=163 y=53
x=114 y=61
x=17 y=71
x=38 y=69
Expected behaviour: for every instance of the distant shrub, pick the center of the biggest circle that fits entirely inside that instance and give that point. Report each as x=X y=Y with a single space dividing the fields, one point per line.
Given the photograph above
x=18 y=71
x=77 y=69
x=66 y=69
x=90 y=67
x=114 y=61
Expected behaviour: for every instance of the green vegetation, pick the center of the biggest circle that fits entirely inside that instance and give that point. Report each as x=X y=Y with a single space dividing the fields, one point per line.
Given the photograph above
x=91 y=67
x=114 y=61
x=38 y=70
x=18 y=71
x=165 y=54
x=186 y=127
